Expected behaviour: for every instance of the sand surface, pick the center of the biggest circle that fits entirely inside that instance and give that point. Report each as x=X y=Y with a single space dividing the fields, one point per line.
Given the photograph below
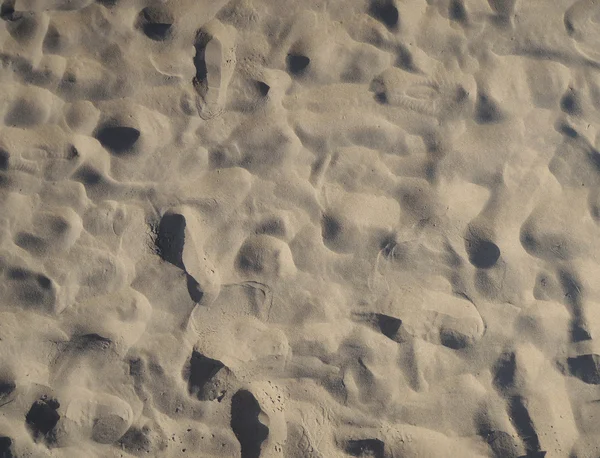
x=300 y=228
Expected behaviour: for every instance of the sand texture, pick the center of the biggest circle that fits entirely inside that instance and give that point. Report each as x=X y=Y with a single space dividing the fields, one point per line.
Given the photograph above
x=300 y=228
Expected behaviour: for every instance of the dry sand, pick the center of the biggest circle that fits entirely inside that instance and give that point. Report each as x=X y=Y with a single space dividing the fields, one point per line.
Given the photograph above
x=300 y=228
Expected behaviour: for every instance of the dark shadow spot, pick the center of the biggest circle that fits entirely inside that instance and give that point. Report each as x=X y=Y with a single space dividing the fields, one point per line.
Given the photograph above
x=53 y=41
x=501 y=21
x=44 y=282
x=330 y=227
x=486 y=110
x=5 y=181
x=595 y=212
x=156 y=369
x=272 y=226
x=404 y=59
x=573 y=295
x=594 y=157
x=155 y=22
x=381 y=98
x=503 y=8
x=171 y=238
x=388 y=325
x=504 y=372
x=5 y=447
x=67 y=85
x=386 y=12
x=586 y=368
x=202 y=40
x=193 y=288
x=434 y=143
x=118 y=140
x=450 y=338
x=522 y=422
x=136 y=440
x=30 y=295
x=220 y=158
x=7 y=10
x=73 y=153
x=530 y=242
x=22 y=26
x=451 y=257
x=457 y=11
x=90 y=342
x=202 y=370
x=365 y=448
x=580 y=331
x=42 y=418
x=6 y=389
x=297 y=64
x=388 y=245
x=572 y=288
x=4 y=159
x=136 y=367
x=245 y=261
x=569 y=27
x=461 y=95
x=18 y=274
x=570 y=103
x=483 y=254
x=336 y=387
x=23 y=113
x=431 y=172
x=88 y=176
x=246 y=426
x=27 y=290
x=567 y=130
x=58 y=226
x=379 y=90
x=31 y=243
x=263 y=88
x=157 y=31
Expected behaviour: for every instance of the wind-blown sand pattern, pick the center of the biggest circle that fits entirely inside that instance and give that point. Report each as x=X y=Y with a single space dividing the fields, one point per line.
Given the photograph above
x=300 y=229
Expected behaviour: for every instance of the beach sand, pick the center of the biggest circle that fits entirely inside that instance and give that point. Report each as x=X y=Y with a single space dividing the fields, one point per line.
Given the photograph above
x=300 y=229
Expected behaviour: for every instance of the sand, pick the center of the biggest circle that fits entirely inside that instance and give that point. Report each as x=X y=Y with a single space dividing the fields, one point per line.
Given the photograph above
x=300 y=229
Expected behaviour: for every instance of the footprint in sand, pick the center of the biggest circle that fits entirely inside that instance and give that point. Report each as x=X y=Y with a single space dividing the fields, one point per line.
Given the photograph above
x=215 y=62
